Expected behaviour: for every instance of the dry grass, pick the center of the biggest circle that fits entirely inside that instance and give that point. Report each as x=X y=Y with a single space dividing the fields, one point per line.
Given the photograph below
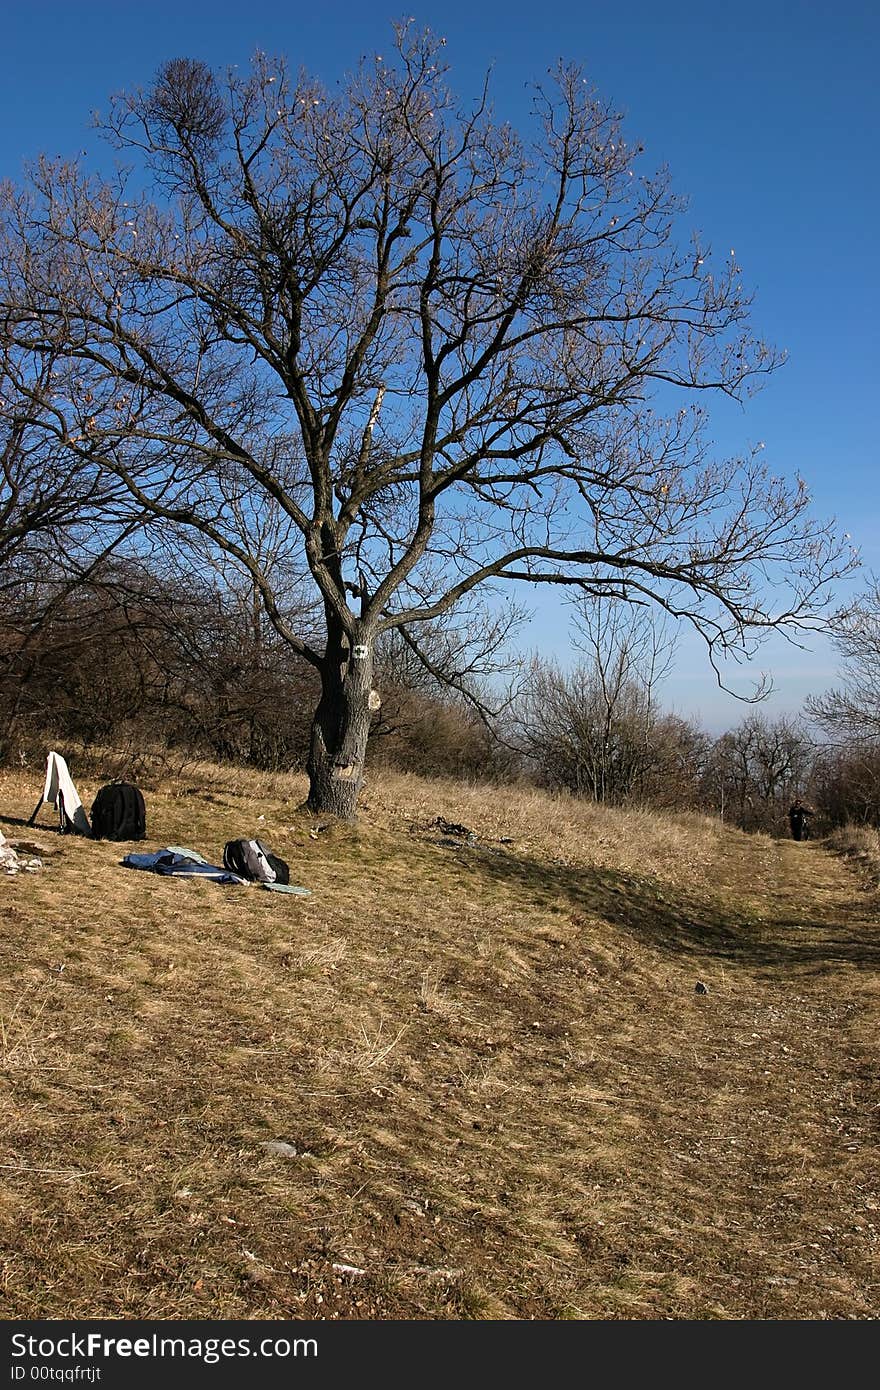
x=504 y=1094
x=860 y=844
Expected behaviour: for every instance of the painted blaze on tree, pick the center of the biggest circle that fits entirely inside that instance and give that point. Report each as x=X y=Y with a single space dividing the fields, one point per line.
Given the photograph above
x=444 y=354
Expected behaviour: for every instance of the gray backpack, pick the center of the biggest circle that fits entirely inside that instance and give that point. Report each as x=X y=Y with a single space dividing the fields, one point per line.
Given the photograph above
x=252 y=860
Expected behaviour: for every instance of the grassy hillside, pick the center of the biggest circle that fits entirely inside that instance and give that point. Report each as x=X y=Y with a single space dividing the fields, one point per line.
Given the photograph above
x=579 y=1064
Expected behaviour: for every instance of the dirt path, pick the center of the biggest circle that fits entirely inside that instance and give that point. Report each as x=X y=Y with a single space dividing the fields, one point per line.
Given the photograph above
x=768 y=1100
x=813 y=892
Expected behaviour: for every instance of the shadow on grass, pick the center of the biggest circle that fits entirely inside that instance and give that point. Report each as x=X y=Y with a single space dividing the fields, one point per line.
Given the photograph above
x=38 y=826
x=685 y=924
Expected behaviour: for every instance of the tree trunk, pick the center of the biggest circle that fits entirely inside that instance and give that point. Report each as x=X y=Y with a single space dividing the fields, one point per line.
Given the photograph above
x=340 y=730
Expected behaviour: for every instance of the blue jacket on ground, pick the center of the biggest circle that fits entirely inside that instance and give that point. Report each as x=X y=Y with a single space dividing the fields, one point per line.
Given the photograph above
x=176 y=862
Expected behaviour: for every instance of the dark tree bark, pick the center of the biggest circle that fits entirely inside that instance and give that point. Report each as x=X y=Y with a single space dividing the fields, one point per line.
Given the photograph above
x=341 y=728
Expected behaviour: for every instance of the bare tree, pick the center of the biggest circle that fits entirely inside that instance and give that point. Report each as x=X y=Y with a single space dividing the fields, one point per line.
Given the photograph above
x=60 y=516
x=51 y=499
x=445 y=354
x=846 y=783
x=629 y=653
x=848 y=771
x=851 y=712
x=597 y=728
x=756 y=770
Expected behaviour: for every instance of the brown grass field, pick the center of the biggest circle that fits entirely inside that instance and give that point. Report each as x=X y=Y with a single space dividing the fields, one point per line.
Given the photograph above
x=502 y=1094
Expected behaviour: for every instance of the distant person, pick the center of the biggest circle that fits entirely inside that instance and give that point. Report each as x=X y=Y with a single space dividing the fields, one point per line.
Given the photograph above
x=798 y=817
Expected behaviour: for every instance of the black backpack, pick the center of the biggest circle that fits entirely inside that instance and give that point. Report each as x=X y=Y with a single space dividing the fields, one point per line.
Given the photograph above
x=252 y=860
x=118 y=813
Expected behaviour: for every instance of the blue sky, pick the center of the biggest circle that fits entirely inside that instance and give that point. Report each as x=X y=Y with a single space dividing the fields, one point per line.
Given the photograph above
x=767 y=115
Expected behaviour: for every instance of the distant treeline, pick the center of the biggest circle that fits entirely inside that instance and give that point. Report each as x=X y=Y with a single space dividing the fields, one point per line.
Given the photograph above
x=128 y=657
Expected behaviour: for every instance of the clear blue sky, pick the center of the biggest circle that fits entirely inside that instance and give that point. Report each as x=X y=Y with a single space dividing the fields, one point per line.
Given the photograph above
x=767 y=114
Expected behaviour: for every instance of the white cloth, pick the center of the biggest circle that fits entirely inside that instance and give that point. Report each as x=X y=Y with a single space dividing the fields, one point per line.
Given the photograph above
x=59 y=783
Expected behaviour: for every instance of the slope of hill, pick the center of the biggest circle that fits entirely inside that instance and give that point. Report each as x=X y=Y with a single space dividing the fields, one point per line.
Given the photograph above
x=514 y=1057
